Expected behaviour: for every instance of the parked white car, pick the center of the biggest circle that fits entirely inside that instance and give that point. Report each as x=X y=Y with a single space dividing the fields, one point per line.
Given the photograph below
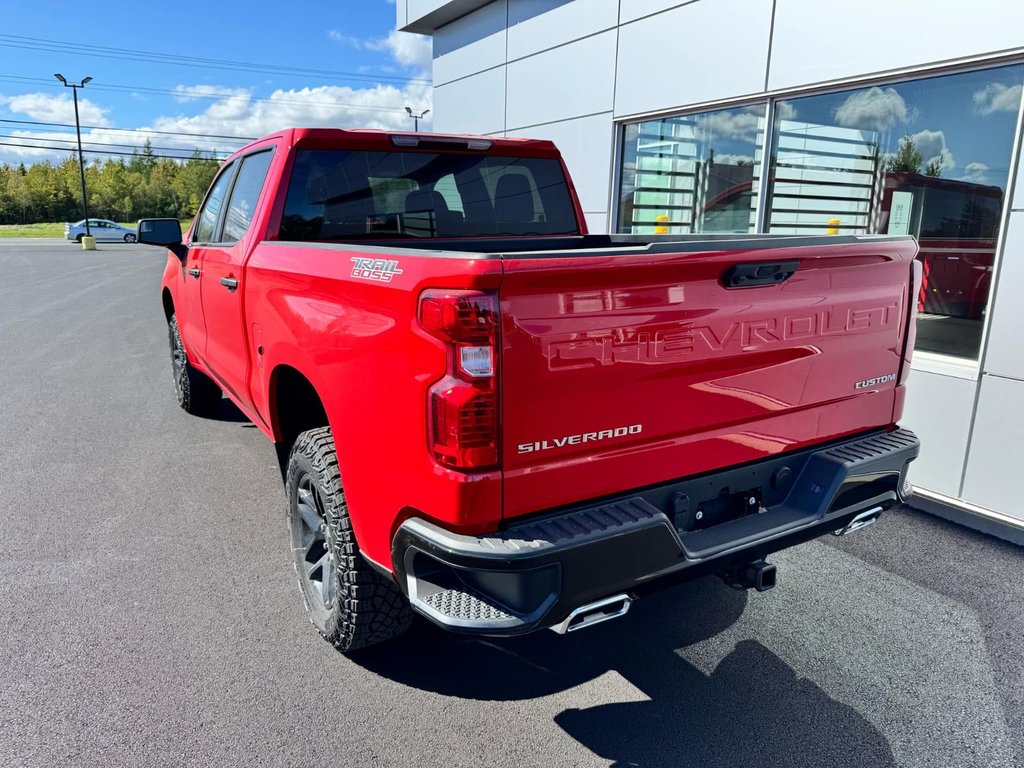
x=101 y=229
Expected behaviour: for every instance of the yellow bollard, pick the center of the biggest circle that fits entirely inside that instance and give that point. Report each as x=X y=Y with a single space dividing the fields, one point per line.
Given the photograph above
x=833 y=227
x=659 y=228
x=88 y=243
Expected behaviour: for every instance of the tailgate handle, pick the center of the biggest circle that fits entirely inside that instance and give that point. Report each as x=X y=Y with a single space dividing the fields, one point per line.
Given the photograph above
x=758 y=273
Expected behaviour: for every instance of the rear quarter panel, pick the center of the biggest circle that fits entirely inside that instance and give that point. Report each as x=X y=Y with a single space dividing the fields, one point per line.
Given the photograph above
x=358 y=342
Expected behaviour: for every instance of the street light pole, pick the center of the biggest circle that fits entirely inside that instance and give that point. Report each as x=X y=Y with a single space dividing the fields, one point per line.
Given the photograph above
x=416 y=118
x=78 y=131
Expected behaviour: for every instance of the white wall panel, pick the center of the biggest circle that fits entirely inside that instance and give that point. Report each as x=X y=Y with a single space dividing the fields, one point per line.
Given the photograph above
x=597 y=223
x=711 y=49
x=472 y=105
x=1005 y=355
x=815 y=41
x=994 y=464
x=634 y=9
x=565 y=82
x=471 y=44
x=534 y=25
x=586 y=145
x=938 y=409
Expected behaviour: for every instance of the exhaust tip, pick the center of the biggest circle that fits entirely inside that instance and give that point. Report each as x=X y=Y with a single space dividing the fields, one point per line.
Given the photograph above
x=863 y=520
x=595 y=613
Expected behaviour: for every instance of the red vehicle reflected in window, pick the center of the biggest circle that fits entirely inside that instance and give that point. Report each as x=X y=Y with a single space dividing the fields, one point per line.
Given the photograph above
x=956 y=224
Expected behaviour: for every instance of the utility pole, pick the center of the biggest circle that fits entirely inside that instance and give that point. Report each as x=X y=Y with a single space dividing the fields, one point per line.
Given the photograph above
x=78 y=131
x=416 y=118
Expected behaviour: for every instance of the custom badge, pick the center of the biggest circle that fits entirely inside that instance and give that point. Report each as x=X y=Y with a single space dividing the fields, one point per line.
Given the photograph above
x=381 y=270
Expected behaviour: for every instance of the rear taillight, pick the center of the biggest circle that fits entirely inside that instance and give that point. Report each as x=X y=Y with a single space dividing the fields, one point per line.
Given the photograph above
x=462 y=408
x=911 y=331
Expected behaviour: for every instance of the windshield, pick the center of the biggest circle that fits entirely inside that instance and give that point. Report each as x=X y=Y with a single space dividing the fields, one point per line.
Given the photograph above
x=353 y=195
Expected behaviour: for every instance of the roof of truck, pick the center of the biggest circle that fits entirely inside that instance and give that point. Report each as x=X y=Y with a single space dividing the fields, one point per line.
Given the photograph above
x=376 y=139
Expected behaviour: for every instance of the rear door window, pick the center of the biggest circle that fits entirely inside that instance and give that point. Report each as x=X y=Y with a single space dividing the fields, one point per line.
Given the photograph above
x=244 y=195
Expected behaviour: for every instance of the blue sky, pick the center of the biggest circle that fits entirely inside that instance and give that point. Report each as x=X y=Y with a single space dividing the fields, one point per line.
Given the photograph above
x=366 y=72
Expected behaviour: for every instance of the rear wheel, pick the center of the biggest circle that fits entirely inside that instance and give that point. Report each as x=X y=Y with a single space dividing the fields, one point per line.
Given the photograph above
x=350 y=604
x=129 y=238
x=195 y=391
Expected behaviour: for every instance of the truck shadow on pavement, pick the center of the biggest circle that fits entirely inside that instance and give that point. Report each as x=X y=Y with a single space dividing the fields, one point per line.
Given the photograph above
x=752 y=709
x=229 y=413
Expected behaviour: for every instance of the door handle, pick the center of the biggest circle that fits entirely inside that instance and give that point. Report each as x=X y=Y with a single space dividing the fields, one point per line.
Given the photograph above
x=229 y=282
x=758 y=274
x=194 y=272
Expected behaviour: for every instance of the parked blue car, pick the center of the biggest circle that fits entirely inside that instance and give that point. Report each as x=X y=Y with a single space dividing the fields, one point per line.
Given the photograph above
x=101 y=229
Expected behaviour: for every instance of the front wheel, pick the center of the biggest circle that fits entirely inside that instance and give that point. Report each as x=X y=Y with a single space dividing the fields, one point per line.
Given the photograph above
x=350 y=604
x=195 y=391
x=129 y=238
x=78 y=238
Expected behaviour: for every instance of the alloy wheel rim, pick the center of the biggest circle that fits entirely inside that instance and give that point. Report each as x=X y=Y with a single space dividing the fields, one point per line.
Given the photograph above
x=315 y=546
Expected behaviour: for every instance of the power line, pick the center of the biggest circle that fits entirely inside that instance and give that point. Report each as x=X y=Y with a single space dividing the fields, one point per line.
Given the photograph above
x=131 y=130
x=93 y=151
x=211 y=95
x=153 y=57
x=124 y=145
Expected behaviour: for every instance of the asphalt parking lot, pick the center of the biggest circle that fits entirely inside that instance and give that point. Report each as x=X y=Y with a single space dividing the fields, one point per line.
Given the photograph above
x=150 y=613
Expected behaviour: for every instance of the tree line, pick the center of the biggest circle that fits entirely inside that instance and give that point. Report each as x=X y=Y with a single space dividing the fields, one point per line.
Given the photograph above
x=122 y=189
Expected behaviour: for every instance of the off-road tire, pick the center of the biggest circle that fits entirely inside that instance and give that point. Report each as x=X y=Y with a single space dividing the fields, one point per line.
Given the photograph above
x=367 y=606
x=196 y=392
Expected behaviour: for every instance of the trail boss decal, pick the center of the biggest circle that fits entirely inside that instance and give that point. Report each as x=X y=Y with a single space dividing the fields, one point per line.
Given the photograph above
x=875 y=382
x=381 y=270
x=583 y=437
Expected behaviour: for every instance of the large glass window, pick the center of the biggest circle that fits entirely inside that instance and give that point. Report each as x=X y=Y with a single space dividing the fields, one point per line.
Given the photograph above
x=342 y=195
x=244 y=195
x=927 y=157
x=692 y=173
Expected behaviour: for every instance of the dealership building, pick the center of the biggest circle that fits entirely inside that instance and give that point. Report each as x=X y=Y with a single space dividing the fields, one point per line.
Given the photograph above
x=793 y=117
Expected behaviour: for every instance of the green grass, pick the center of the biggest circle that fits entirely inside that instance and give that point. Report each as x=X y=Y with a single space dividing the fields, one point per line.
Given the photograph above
x=32 y=230
x=53 y=229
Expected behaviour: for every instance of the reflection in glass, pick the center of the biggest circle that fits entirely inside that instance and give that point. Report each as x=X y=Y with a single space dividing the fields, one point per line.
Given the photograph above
x=692 y=173
x=929 y=158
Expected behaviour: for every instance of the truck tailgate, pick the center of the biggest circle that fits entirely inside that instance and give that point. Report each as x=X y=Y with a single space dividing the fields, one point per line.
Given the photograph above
x=621 y=369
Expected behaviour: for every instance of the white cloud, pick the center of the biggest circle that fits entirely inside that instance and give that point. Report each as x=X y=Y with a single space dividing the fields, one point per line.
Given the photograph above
x=731 y=124
x=409 y=50
x=240 y=114
x=381 y=106
x=340 y=37
x=996 y=97
x=185 y=93
x=976 y=173
x=237 y=112
x=785 y=110
x=932 y=145
x=874 y=109
x=726 y=159
x=55 y=109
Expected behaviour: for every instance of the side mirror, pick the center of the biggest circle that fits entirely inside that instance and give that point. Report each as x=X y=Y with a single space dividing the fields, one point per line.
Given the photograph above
x=165 y=232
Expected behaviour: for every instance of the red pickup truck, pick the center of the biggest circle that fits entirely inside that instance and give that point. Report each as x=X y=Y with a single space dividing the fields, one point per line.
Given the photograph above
x=491 y=418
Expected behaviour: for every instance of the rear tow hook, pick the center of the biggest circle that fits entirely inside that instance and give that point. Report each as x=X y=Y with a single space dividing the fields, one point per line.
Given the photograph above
x=757 y=575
